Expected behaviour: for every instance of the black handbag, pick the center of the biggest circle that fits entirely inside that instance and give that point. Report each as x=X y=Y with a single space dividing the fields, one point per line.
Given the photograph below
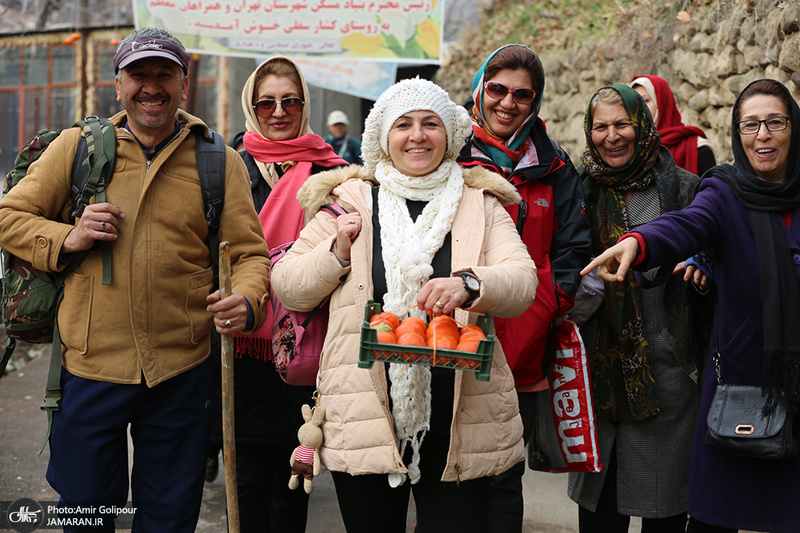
x=737 y=425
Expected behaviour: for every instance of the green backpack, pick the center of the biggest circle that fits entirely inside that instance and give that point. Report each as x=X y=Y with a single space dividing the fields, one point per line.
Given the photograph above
x=30 y=297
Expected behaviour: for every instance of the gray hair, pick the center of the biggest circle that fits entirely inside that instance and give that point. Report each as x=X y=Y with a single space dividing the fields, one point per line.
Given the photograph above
x=606 y=95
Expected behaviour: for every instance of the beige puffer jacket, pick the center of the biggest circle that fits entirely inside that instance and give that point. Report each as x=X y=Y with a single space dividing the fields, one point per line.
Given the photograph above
x=359 y=437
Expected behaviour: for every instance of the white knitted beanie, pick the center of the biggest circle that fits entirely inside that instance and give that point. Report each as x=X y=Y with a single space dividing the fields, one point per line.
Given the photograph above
x=403 y=97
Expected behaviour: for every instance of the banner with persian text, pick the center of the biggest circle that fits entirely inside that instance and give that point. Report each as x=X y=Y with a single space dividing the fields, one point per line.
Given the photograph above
x=399 y=31
x=365 y=79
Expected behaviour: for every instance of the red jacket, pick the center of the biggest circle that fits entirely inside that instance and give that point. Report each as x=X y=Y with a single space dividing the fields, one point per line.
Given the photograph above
x=552 y=223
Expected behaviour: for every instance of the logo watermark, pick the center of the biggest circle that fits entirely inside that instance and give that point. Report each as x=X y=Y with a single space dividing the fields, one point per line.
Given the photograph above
x=26 y=515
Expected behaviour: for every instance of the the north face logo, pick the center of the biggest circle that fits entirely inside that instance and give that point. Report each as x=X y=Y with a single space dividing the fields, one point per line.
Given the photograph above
x=541 y=202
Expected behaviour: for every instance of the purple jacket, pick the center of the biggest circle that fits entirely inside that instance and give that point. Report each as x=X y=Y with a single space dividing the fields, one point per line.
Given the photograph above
x=725 y=490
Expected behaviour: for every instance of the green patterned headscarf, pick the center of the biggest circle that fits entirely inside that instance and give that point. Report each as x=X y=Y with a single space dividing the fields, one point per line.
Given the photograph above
x=623 y=376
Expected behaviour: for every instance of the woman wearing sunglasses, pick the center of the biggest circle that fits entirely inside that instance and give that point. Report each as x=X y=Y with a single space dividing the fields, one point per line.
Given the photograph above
x=509 y=138
x=280 y=152
x=745 y=213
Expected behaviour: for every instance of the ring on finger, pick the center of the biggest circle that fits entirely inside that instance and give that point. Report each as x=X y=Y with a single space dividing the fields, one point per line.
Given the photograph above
x=351 y=221
x=438 y=304
x=103 y=226
x=227 y=322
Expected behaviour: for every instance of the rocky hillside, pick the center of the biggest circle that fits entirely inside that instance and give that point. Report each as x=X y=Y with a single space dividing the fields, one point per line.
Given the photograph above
x=708 y=50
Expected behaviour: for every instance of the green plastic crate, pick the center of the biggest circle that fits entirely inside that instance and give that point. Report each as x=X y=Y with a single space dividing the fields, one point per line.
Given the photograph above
x=372 y=350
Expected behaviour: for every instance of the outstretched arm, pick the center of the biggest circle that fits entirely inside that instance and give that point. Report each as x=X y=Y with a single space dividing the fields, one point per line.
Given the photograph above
x=612 y=265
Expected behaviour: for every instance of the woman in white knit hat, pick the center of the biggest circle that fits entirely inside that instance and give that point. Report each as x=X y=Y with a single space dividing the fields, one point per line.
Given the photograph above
x=420 y=233
x=280 y=152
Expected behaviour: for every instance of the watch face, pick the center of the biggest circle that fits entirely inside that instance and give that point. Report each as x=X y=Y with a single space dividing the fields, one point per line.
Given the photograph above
x=472 y=283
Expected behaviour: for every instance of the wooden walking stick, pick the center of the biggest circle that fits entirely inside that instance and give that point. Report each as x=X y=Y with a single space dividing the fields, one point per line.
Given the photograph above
x=228 y=428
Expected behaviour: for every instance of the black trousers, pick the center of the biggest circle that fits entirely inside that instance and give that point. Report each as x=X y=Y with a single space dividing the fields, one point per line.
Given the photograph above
x=506 y=504
x=368 y=504
x=266 y=504
x=606 y=519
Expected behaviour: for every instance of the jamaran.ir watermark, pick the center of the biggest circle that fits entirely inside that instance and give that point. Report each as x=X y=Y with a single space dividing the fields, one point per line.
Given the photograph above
x=26 y=515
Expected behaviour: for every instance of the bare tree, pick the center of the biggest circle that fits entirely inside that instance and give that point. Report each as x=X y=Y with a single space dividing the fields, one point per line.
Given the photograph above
x=50 y=6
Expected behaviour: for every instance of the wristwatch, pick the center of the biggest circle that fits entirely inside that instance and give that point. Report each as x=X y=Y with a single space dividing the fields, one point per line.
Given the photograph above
x=472 y=286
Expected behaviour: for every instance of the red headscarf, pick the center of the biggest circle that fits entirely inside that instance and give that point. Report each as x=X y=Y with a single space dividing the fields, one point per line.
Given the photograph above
x=679 y=139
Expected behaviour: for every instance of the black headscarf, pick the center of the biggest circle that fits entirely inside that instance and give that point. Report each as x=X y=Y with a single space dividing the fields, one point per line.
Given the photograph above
x=779 y=288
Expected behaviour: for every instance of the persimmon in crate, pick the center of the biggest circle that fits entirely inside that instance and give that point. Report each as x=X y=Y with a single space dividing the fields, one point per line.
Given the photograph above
x=441 y=343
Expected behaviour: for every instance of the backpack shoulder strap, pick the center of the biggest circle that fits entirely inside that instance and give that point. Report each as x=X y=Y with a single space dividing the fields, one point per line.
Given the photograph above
x=11 y=344
x=94 y=162
x=211 y=168
x=92 y=170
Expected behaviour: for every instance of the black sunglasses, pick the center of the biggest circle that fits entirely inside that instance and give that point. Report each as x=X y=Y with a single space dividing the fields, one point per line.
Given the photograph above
x=498 y=91
x=265 y=108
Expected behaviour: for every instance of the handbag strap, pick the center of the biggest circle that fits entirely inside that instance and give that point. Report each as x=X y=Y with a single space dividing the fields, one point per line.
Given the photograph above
x=716 y=356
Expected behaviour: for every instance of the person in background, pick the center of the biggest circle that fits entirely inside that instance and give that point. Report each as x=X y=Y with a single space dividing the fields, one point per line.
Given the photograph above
x=348 y=148
x=646 y=340
x=237 y=143
x=745 y=214
x=422 y=236
x=509 y=138
x=688 y=144
x=280 y=152
x=135 y=351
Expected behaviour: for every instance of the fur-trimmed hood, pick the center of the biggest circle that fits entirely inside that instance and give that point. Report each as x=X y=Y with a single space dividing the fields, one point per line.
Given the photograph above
x=318 y=190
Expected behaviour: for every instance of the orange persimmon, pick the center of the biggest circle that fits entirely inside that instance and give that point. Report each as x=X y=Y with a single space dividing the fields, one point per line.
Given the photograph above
x=444 y=318
x=377 y=320
x=469 y=336
x=445 y=342
x=392 y=318
x=386 y=337
x=411 y=338
x=473 y=328
x=412 y=323
x=442 y=326
x=470 y=344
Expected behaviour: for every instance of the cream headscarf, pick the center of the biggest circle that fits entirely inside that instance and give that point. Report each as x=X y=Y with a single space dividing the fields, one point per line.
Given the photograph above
x=251 y=119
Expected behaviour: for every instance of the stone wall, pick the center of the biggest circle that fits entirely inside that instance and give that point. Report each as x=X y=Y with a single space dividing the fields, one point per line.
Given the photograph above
x=707 y=61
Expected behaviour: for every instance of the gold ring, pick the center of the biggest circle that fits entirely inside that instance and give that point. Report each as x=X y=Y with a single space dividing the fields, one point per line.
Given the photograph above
x=438 y=304
x=227 y=322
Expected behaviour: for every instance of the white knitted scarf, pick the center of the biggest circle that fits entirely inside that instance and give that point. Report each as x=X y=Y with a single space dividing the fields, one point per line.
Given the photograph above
x=408 y=249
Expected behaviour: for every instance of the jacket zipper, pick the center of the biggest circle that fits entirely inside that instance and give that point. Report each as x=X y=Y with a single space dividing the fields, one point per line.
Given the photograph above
x=523 y=214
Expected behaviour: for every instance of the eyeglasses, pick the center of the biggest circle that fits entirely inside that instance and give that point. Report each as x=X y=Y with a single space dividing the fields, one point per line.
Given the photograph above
x=498 y=91
x=751 y=127
x=265 y=108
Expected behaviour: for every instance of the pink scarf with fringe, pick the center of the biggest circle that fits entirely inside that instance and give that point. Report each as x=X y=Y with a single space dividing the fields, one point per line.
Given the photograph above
x=282 y=217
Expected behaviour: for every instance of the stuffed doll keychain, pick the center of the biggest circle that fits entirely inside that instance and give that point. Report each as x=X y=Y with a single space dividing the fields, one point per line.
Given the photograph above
x=305 y=458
